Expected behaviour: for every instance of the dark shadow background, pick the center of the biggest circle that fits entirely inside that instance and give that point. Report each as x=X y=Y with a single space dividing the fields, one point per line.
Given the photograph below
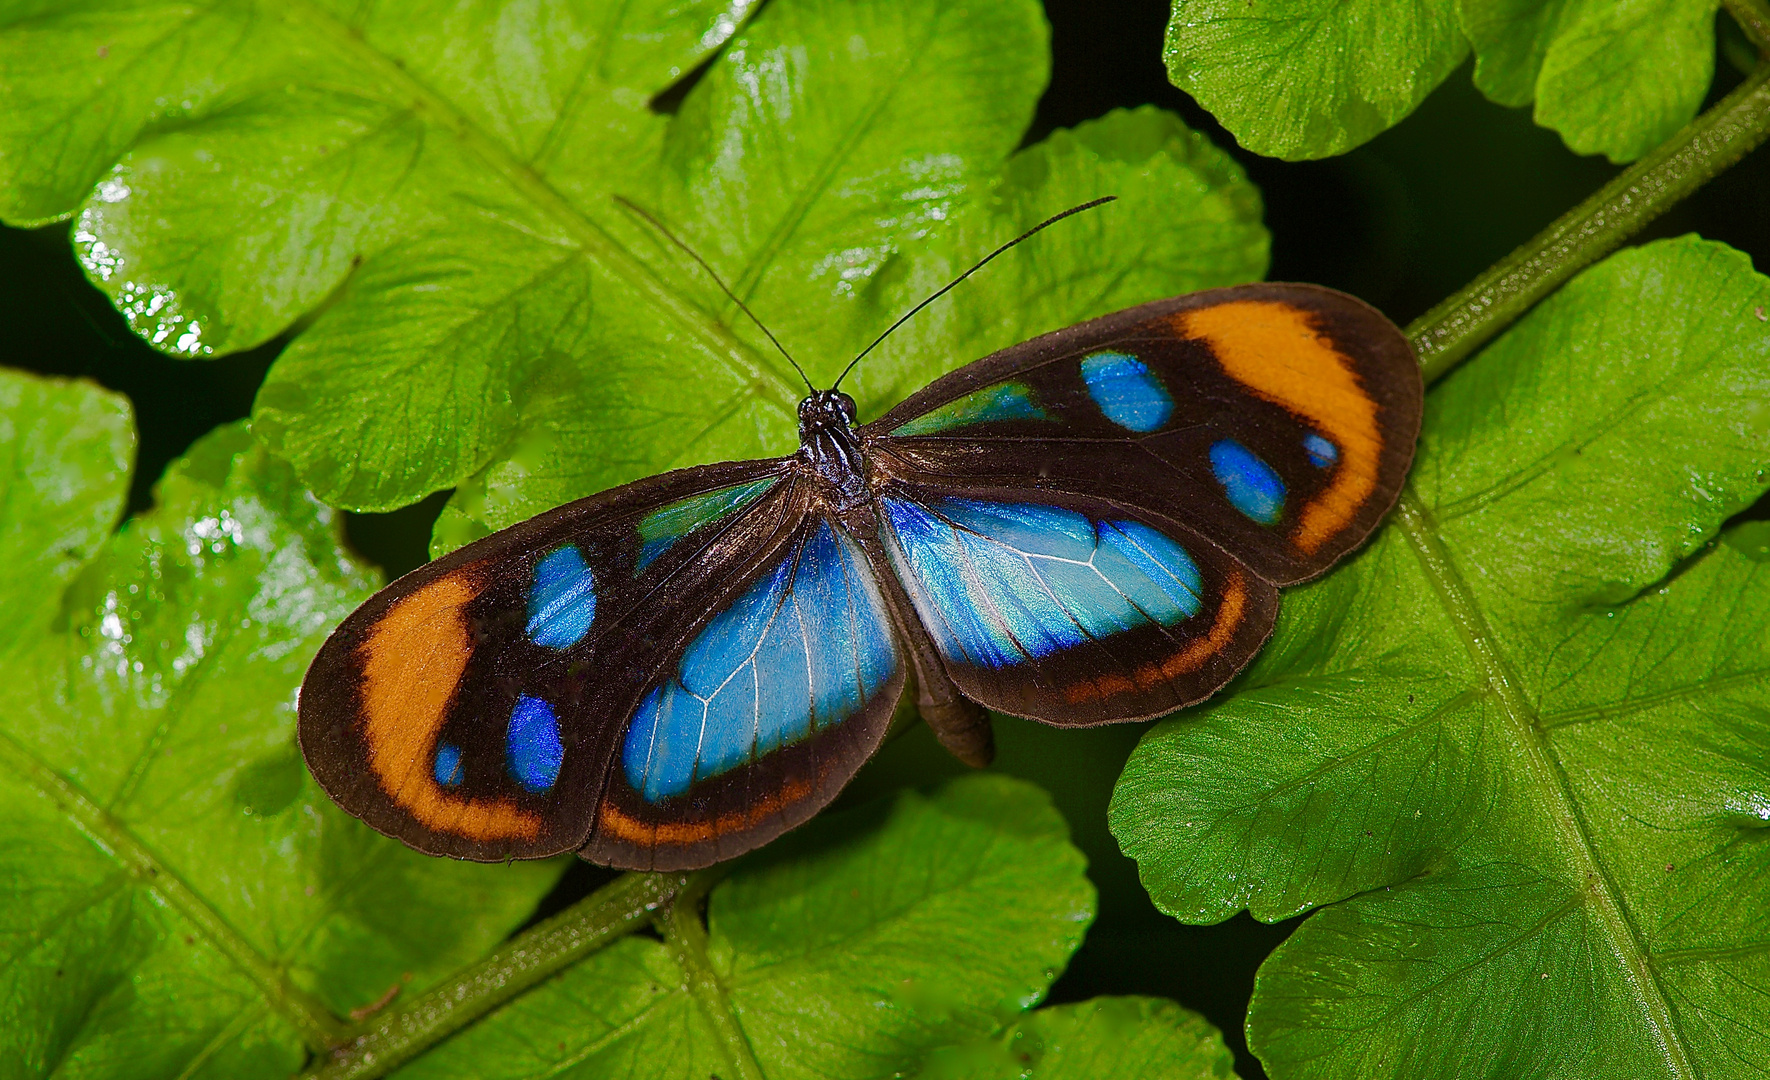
x=1402 y=222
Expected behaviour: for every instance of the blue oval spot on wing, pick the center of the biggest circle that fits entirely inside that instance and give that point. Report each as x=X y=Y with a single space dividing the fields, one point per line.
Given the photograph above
x=1251 y=484
x=1126 y=390
x=448 y=764
x=532 y=744
x=562 y=600
x=1321 y=452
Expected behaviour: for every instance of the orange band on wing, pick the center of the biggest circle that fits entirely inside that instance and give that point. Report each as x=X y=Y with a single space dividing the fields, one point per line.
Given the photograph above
x=412 y=661
x=1275 y=351
x=1189 y=659
x=613 y=821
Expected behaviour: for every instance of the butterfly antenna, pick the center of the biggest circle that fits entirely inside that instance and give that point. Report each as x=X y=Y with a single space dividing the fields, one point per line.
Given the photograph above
x=1027 y=235
x=635 y=209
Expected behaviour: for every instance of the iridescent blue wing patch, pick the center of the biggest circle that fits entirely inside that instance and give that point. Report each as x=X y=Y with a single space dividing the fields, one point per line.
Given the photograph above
x=1010 y=400
x=764 y=715
x=1074 y=614
x=663 y=527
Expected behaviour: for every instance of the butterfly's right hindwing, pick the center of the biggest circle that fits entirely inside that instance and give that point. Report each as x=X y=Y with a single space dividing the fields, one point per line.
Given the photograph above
x=761 y=718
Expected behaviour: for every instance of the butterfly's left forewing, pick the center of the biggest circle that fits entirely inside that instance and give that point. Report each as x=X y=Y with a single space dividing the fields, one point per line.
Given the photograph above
x=481 y=706
x=1276 y=421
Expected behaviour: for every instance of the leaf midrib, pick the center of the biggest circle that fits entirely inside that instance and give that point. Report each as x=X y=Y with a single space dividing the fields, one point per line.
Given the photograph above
x=1535 y=759
x=598 y=246
x=318 y=1027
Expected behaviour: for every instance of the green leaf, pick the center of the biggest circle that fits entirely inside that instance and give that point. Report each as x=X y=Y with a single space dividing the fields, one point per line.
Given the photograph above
x=441 y=176
x=65 y=450
x=851 y=948
x=1299 y=79
x=1101 y=261
x=1102 y=1039
x=1526 y=729
x=180 y=898
x=428 y=196
x=1614 y=78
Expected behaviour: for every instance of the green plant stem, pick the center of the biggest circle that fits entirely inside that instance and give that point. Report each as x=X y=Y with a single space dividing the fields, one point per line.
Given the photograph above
x=1753 y=17
x=686 y=935
x=1705 y=147
x=392 y=1040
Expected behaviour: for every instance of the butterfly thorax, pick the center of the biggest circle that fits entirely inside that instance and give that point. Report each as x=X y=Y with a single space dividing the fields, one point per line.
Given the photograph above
x=829 y=449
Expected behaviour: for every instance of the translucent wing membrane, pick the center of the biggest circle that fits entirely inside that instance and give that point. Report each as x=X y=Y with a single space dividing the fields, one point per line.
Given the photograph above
x=999 y=584
x=806 y=648
x=1074 y=617
x=764 y=717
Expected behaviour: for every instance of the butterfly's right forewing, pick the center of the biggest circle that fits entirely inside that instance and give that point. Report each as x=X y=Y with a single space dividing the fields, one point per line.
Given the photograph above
x=473 y=707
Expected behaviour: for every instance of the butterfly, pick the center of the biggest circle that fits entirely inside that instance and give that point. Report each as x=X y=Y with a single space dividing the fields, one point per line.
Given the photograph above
x=1087 y=528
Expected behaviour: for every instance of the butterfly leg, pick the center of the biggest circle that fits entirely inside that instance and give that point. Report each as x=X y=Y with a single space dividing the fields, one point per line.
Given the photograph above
x=961 y=725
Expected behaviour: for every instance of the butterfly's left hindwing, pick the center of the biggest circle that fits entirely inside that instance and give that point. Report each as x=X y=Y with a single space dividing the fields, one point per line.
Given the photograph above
x=478 y=706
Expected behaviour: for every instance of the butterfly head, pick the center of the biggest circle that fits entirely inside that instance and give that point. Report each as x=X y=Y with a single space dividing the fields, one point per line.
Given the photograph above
x=825 y=410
